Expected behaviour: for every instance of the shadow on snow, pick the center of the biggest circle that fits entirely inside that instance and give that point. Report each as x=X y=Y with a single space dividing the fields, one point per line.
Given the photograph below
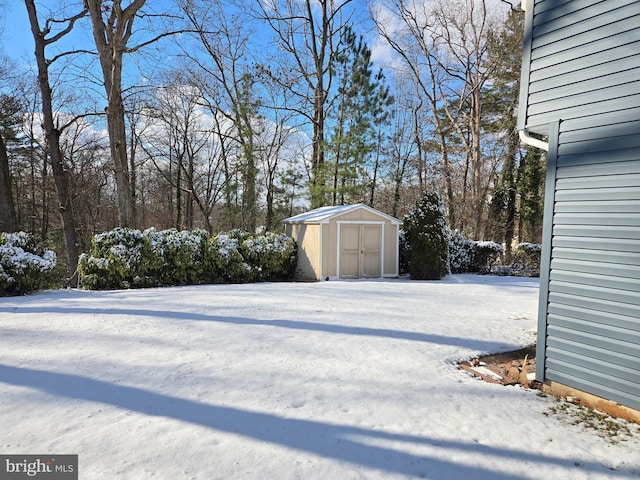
x=338 y=442
x=480 y=345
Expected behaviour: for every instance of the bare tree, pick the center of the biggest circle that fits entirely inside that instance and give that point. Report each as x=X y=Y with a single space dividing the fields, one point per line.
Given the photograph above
x=403 y=150
x=113 y=28
x=86 y=153
x=462 y=29
x=176 y=139
x=8 y=219
x=309 y=32
x=52 y=126
x=222 y=63
x=443 y=47
x=414 y=42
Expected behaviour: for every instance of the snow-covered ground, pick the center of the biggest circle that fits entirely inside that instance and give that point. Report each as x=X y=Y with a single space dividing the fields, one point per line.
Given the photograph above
x=332 y=380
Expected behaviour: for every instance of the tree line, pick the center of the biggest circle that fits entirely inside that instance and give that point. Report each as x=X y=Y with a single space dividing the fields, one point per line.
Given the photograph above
x=218 y=114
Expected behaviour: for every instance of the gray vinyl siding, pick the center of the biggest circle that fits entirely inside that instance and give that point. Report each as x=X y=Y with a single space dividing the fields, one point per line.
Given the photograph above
x=580 y=56
x=580 y=87
x=590 y=318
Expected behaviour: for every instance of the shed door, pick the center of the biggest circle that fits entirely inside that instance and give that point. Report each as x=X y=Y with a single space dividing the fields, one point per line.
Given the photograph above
x=360 y=251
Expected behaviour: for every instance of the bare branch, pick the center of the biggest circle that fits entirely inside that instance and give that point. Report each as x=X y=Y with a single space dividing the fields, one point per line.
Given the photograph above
x=70 y=23
x=71 y=52
x=158 y=37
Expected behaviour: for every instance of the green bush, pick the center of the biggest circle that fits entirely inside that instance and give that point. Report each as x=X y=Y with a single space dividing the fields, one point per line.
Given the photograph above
x=225 y=261
x=488 y=255
x=125 y=258
x=119 y=258
x=427 y=235
x=270 y=256
x=526 y=260
x=178 y=257
x=25 y=266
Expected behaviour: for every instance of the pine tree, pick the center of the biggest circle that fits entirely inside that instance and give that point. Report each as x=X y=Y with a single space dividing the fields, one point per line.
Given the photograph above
x=532 y=196
x=360 y=106
x=9 y=118
x=505 y=50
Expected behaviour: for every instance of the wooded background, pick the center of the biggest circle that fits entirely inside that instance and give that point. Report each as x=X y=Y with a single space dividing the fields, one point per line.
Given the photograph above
x=221 y=114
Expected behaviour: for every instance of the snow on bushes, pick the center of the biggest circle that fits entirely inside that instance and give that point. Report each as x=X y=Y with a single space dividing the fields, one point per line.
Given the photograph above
x=469 y=256
x=462 y=253
x=487 y=255
x=24 y=265
x=125 y=258
x=225 y=261
x=178 y=257
x=271 y=256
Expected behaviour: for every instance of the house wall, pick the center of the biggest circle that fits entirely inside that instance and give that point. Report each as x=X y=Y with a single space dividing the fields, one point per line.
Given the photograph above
x=581 y=87
x=590 y=293
x=579 y=56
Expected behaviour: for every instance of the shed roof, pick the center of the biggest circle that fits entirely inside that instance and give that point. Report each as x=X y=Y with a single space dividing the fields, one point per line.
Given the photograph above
x=324 y=214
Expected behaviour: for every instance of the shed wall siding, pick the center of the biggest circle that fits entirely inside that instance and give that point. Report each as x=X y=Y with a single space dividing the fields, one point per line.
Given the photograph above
x=582 y=55
x=592 y=309
x=391 y=251
x=330 y=248
x=307 y=238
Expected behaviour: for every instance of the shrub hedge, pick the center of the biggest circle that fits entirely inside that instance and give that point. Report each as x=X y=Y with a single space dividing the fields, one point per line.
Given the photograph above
x=469 y=256
x=487 y=255
x=462 y=253
x=128 y=258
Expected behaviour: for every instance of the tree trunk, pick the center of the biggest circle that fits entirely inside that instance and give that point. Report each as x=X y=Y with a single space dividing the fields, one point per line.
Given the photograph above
x=111 y=43
x=511 y=206
x=446 y=169
x=249 y=196
x=118 y=145
x=52 y=134
x=477 y=162
x=317 y=160
x=376 y=166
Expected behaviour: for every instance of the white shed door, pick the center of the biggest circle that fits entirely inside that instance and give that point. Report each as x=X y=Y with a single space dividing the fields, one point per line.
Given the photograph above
x=360 y=251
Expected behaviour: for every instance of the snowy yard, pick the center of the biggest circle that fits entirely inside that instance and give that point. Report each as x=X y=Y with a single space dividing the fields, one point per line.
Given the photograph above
x=332 y=380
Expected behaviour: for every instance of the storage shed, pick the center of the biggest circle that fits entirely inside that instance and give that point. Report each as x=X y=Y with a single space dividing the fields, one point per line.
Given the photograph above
x=580 y=91
x=345 y=241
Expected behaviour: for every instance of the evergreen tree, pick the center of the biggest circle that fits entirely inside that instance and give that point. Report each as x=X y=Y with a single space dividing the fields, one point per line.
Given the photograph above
x=505 y=51
x=9 y=118
x=532 y=196
x=426 y=232
x=360 y=106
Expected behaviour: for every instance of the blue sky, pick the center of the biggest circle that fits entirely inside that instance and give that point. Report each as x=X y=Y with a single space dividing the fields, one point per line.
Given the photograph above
x=17 y=42
x=16 y=38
